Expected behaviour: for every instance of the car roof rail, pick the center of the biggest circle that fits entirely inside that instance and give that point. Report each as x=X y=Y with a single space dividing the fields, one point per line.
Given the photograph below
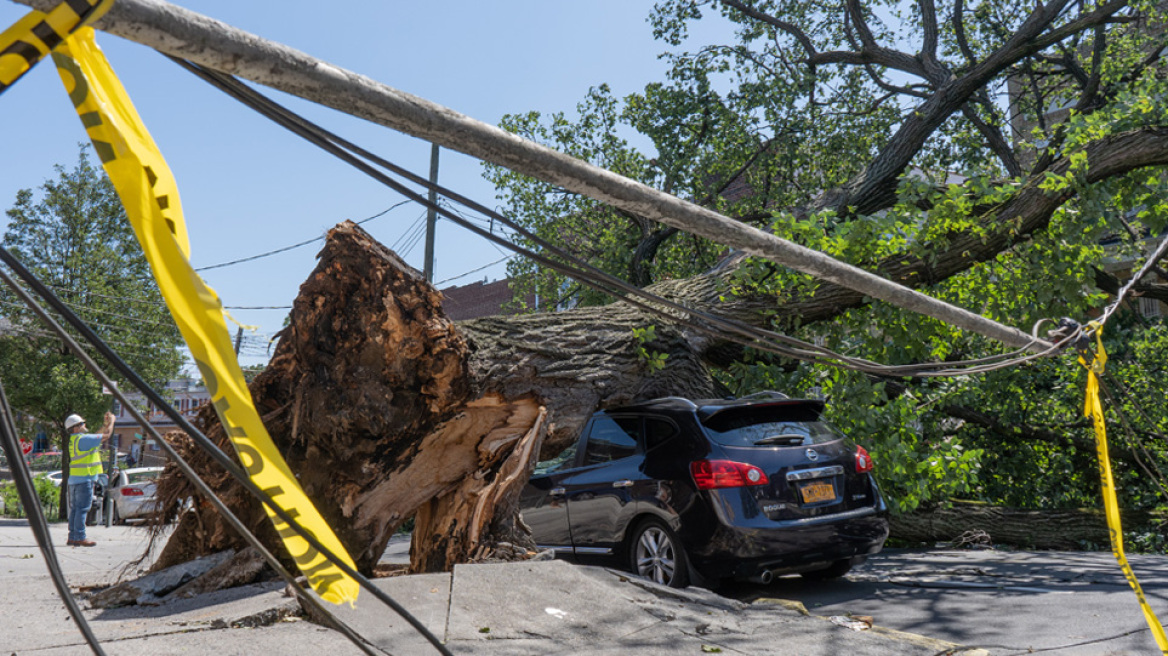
x=676 y=398
x=766 y=394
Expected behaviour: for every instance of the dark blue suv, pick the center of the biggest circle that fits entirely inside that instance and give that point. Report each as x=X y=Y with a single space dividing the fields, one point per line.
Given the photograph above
x=710 y=490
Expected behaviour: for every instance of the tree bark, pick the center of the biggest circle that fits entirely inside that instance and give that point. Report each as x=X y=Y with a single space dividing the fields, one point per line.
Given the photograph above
x=1072 y=528
x=385 y=409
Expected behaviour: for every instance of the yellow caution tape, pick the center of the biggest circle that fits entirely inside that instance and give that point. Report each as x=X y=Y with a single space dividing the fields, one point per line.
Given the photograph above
x=150 y=195
x=29 y=39
x=241 y=325
x=1095 y=365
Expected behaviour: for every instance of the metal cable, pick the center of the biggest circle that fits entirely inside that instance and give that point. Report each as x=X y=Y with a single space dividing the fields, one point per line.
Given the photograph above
x=183 y=466
x=1148 y=265
x=295 y=246
x=754 y=337
x=36 y=519
x=206 y=444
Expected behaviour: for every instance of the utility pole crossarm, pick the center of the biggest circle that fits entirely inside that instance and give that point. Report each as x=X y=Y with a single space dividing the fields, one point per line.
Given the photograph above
x=182 y=33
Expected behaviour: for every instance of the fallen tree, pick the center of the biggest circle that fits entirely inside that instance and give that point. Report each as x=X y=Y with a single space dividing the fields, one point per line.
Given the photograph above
x=385 y=409
x=973 y=522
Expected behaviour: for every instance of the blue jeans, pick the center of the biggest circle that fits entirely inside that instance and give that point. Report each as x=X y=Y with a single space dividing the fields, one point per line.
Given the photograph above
x=80 y=499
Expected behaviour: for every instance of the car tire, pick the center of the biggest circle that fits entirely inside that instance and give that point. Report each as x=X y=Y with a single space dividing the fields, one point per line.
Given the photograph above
x=656 y=554
x=833 y=571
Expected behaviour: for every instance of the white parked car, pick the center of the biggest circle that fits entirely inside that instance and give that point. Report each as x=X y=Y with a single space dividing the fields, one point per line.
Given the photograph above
x=133 y=493
x=54 y=476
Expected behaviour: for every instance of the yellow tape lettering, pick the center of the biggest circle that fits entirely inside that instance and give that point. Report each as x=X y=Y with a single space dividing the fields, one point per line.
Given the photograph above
x=150 y=195
x=19 y=44
x=79 y=94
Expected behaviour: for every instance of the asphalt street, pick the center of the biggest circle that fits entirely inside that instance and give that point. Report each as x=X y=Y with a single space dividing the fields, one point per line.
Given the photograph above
x=921 y=602
x=529 y=608
x=1009 y=602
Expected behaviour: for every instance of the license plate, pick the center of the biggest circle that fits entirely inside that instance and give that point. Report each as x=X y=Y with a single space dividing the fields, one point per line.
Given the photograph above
x=816 y=492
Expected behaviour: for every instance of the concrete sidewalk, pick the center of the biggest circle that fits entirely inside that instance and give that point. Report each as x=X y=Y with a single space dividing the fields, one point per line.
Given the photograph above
x=518 y=608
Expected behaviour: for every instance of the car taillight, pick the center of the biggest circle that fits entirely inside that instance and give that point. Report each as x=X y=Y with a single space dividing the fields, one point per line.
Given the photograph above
x=715 y=474
x=863 y=461
x=131 y=492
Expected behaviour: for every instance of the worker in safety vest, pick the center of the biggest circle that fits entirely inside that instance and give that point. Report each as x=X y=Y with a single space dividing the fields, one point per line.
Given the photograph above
x=84 y=468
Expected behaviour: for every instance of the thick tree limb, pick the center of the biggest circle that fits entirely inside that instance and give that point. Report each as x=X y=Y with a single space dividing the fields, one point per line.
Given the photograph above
x=929 y=28
x=874 y=189
x=1066 y=529
x=1027 y=433
x=1112 y=285
x=1027 y=212
x=959 y=32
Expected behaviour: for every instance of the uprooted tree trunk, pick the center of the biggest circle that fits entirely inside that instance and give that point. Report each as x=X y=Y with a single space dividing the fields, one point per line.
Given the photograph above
x=386 y=409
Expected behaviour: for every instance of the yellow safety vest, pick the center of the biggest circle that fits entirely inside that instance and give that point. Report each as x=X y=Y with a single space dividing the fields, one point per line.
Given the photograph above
x=84 y=464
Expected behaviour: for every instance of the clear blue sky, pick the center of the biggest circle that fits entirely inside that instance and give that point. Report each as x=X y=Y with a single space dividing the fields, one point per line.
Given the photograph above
x=248 y=186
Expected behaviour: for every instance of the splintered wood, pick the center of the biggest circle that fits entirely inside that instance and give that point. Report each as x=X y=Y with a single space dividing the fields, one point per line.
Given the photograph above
x=369 y=399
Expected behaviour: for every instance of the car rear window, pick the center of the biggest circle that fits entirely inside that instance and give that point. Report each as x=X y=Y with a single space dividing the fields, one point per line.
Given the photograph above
x=770 y=426
x=141 y=477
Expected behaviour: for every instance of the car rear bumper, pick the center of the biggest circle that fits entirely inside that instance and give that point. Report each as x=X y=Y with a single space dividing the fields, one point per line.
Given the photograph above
x=744 y=552
x=134 y=507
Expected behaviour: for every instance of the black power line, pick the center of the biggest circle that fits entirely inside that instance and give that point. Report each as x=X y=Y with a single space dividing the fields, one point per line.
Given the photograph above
x=567 y=264
x=216 y=454
x=298 y=245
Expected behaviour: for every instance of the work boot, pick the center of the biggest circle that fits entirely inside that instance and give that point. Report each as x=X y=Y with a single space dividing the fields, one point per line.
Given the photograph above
x=80 y=543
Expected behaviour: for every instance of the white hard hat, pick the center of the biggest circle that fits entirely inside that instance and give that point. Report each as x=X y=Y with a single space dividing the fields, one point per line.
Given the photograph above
x=73 y=420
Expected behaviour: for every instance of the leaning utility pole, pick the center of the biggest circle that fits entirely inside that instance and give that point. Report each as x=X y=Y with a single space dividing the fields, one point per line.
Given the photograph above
x=431 y=215
x=182 y=33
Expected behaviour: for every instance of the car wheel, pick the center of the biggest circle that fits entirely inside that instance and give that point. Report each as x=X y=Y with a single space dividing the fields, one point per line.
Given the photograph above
x=656 y=554
x=833 y=571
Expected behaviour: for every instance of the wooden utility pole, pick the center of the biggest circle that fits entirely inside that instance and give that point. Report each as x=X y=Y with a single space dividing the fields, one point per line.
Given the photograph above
x=182 y=33
x=431 y=215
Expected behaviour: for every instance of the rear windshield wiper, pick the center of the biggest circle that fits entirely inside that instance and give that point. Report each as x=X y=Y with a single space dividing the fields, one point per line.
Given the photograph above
x=786 y=439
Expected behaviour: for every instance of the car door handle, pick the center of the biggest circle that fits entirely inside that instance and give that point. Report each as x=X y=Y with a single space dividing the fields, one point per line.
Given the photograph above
x=556 y=492
x=625 y=483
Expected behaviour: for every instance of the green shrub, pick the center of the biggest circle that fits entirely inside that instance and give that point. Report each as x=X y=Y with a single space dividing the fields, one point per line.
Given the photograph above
x=47 y=493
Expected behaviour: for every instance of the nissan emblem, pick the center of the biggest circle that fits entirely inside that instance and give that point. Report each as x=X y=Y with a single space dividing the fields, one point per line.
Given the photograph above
x=812 y=455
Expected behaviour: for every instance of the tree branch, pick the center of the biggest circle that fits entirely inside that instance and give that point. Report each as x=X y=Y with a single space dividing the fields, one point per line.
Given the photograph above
x=875 y=187
x=996 y=141
x=789 y=28
x=929 y=42
x=1005 y=225
x=1100 y=16
x=1112 y=285
x=1032 y=433
x=959 y=32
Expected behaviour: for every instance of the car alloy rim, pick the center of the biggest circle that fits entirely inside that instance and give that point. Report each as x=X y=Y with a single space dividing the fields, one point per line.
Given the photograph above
x=655 y=555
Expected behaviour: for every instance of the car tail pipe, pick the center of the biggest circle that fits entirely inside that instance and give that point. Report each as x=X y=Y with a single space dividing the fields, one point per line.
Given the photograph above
x=764 y=577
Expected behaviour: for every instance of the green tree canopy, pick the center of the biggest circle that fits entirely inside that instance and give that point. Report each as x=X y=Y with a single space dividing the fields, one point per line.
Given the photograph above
x=75 y=238
x=1006 y=159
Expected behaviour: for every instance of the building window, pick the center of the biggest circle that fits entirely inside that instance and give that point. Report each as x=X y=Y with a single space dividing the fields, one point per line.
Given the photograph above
x=1149 y=307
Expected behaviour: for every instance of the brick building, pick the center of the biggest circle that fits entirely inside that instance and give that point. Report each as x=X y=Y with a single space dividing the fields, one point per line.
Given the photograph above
x=189 y=395
x=483 y=299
